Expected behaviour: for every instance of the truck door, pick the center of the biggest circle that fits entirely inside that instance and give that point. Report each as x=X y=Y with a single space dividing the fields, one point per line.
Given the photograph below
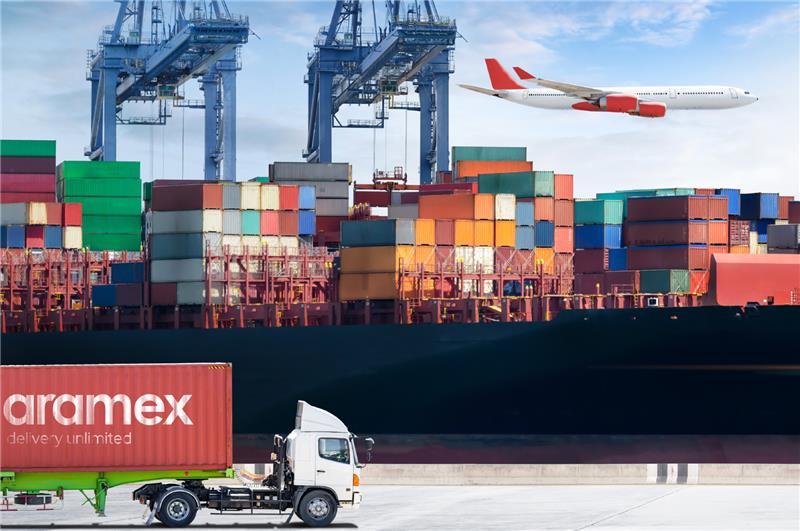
x=335 y=466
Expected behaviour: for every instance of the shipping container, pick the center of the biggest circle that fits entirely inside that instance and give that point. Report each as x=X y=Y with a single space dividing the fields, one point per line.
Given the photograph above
x=674 y=191
x=194 y=293
x=409 y=211
x=504 y=233
x=665 y=281
x=28 y=182
x=760 y=228
x=117 y=295
x=598 y=236
x=563 y=187
x=451 y=188
x=12 y=236
x=618 y=259
x=794 y=211
x=27 y=148
x=543 y=183
x=668 y=208
x=306 y=223
x=10 y=164
x=98 y=169
x=590 y=261
x=168 y=222
x=622 y=281
x=638 y=233
x=185 y=270
x=717 y=207
x=783 y=206
x=739 y=279
x=668 y=257
x=759 y=206
x=705 y=191
x=181 y=246
x=187 y=197
x=270 y=197
x=520 y=184
x=717 y=232
x=231 y=196
x=739 y=232
x=544 y=209
x=289 y=197
x=288 y=223
x=251 y=222
x=589 y=283
x=564 y=214
x=739 y=249
x=473 y=168
x=525 y=238
x=734 y=200
x=487 y=153
x=544 y=233
x=164 y=294
x=523 y=215
x=425 y=232
x=544 y=258
x=307 y=197
x=365 y=233
x=53 y=237
x=34 y=236
x=484 y=233
x=333 y=207
x=382 y=259
x=72 y=238
x=378 y=286
x=108 y=224
x=37 y=213
x=322 y=189
x=304 y=171
x=445 y=232
x=14 y=214
x=563 y=239
x=598 y=212
x=71 y=214
x=457 y=206
x=99 y=188
x=783 y=236
x=24 y=197
x=250 y=195
x=504 y=207
x=464 y=232
x=232 y=222
x=374 y=198
x=127 y=272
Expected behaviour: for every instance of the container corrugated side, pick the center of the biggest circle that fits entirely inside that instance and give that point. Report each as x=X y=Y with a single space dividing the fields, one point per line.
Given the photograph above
x=425 y=232
x=304 y=171
x=232 y=222
x=270 y=197
x=189 y=293
x=167 y=222
x=187 y=270
x=505 y=207
x=332 y=207
x=185 y=245
x=27 y=148
x=783 y=236
x=250 y=196
x=231 y=196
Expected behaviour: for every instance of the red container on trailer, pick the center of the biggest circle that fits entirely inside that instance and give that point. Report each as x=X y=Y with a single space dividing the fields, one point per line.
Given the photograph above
x=783 y=206
x=718 y=232
x=187 y=197
x=563 y=186
x=270 y=225
x=28 y=182
x=737 y=279
x=72 y=214
x=662 y=208
x=563 y=240
x=668 y=257
x=564 y=212
x=28 y=165
x=666 y=233
x=621 y=281
x=289 y=197
x=161 y=417
x=27 y=197
x=374 y=198
x=543 y=209
x=739 y=232
x=589 y=283
x=793 y=209
x=54 y=213
x=591 y=260
x=445 y=232
x=718 y=207
x=164 y=294
x=34 y=236
x=288 y=223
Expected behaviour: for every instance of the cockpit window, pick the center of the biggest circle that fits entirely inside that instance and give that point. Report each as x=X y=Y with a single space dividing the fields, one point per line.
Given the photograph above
x=747 y=92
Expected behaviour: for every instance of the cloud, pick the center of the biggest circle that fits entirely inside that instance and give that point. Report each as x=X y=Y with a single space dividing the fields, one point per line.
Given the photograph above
x=778 y=20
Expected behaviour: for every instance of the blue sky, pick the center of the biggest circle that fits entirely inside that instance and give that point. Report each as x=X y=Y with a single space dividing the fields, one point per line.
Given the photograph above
x=753 y=45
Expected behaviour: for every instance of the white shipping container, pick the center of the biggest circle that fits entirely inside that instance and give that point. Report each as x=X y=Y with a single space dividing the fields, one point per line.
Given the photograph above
x=270 y=197
x=232 y=242
x=410 y=211
x=232 y=222
x=272 y=243
x=169 y=222
x=195 y=293
x=72 y=238
x=290 y=244
x=251 y=196
x=252 y=244
x=332 y=207
x=14 y=214
x=472 y=287
x=188 y=270
x=37 y=213
x=304 y=171
x=464 y=257
x=484 y=259
x=505 y=207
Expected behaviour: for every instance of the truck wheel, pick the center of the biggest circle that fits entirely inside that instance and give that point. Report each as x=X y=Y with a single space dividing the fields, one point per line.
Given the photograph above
x=177 y=509
x=317 y=508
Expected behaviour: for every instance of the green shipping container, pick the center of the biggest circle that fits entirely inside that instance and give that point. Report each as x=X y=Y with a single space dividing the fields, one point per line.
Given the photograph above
x=147 y=191
x=598 y=211
x=112 y=242
x=109 y=206
x=674 y=191
x=260 y=180
x=487 y=153
x=543 y=183
x=664 y=281
x=623 y=195
x=99 y=188
x=519 y=183
x=98 y=169
x=112 y=224
x=28 y=148
x=251 y=222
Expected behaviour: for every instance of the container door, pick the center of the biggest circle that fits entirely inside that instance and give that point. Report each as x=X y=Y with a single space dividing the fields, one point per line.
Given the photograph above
x=335 y=466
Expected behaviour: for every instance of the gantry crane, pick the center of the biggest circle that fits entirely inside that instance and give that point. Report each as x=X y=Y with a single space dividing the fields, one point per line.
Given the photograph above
x=416 y=45
x=199 y=39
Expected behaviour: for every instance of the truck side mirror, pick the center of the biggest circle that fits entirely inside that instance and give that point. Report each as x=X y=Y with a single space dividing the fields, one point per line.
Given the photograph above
x=369 y=442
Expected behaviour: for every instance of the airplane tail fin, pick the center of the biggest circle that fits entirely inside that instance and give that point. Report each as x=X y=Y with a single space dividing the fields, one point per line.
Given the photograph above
x=500 y=78
x=523 y=74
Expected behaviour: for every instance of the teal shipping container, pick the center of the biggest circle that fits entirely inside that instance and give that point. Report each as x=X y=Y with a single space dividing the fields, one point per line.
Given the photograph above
x=543 y=183
x=251 y=222
x=487 y=153
x=598 y=211
x=664 y=281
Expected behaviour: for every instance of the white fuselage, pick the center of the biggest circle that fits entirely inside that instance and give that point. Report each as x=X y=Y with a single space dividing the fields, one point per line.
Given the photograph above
x=675 y=97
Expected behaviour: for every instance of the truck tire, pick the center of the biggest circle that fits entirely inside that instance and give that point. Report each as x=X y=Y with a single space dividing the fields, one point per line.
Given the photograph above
x=317 y=508
x=177 y=509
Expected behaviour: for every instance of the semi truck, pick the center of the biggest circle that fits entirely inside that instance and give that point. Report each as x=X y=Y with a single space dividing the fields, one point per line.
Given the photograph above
x=168 y=426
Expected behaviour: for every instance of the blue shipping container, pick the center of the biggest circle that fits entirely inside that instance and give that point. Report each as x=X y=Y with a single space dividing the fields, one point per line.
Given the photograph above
x=734 y=200
x=104 y=295
x=543 y=233
x=306 y=221
x=307 y=198
x=377 y=232
x=598 y=236
x=127 y=273
x=524 y=238
x=759 y=206
x=524 y=214
x=12 y=236
x=52 y=236
x=760 y=227
x=618 y=259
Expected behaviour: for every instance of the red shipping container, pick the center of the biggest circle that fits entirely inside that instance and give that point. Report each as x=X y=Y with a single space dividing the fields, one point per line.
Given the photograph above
x=589 y=284
x=288 y=223
x=27 y=197
x=718 y=232
x=53 y=213
x=445 y=232
x=563 y=263
x=187 y=197
x=28 y=182
x=666 y=233
x=668 y=208
x=705 y=191
x=563 y=240
x=448 y=188
x=289 y=197
x=783 y=206
x=793 y=209
x=34 y=236
x=473 y=168
x=739 y=232
x=445 y=258
x=503 y=259
x=457 y=206
x=164 y=294
x=175 y=182
x=270 y=225
x=129 y=294
x=718 y=207
x=28 y=165
x=668 y=257
x=409 y=198
x=563 y=186
x=374 y=198
x=543 y=209
x=716 y=249
x=165 y=406
x=591 y=260
x=621 y=281
x=564 y=212
x=72 y=214
x=698 y=281
x=329 y=223
x=737 y=279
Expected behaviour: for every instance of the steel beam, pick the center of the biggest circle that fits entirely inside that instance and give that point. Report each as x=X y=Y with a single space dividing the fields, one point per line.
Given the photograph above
x=324 y=125
x=227 y=69
x=425 y=90
x=210 y=83
x=441 y=85
x=109 y=113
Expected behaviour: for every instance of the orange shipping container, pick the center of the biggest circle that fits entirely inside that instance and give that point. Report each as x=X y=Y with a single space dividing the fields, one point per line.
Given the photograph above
x=739 y=249
x=464 y=232
x=544 y=209
x=386 y=259
x=545 y=258
x=564 y=212
x=456 y=206
x=718 y=232
x=484 y=233
x=473 y=168
x=504 y=233
x=563 y=187
x=375 y=286
x=154 y=406
x=425 y=232
x=563 y=240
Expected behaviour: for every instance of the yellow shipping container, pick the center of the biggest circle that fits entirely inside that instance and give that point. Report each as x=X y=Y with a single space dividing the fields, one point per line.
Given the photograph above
x=425 y=256
x=464 y=232
x=270 y=197
x=545 y=257
x=739 y=249
x=425 y=232
x=377 y=259
x=484 y=233
x=376 y=286
x=504 y=233
x=37 y=214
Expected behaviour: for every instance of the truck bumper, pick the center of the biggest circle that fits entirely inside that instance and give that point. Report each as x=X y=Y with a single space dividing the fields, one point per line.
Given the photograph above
x=356 y=500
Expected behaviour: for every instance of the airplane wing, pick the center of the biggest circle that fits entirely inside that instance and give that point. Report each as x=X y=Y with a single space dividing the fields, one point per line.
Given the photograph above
x=488 y=92
x=577 y=91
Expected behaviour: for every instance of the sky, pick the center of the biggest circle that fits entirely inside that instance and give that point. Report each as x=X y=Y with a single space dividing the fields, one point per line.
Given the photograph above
x=753 y=45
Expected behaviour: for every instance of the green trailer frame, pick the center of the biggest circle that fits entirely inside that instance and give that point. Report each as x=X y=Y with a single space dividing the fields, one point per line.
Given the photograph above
x=96 y=482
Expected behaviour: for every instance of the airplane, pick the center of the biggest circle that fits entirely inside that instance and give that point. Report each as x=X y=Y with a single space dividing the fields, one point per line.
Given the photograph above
x=650 y=102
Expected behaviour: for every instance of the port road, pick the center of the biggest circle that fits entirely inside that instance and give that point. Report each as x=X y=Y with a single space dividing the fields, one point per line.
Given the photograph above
x=640 y=507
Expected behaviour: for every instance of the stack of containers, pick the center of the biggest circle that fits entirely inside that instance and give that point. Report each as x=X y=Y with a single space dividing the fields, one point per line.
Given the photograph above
x=332 y=188
x=784 y=239
x=289 y=218
x=40 y=226
x=544 y=210
x=564 y=220
x=598 y=242
x=27 y=171
x=126 y=288
x=761 y=210
x=111 y=195
x=470 y=161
